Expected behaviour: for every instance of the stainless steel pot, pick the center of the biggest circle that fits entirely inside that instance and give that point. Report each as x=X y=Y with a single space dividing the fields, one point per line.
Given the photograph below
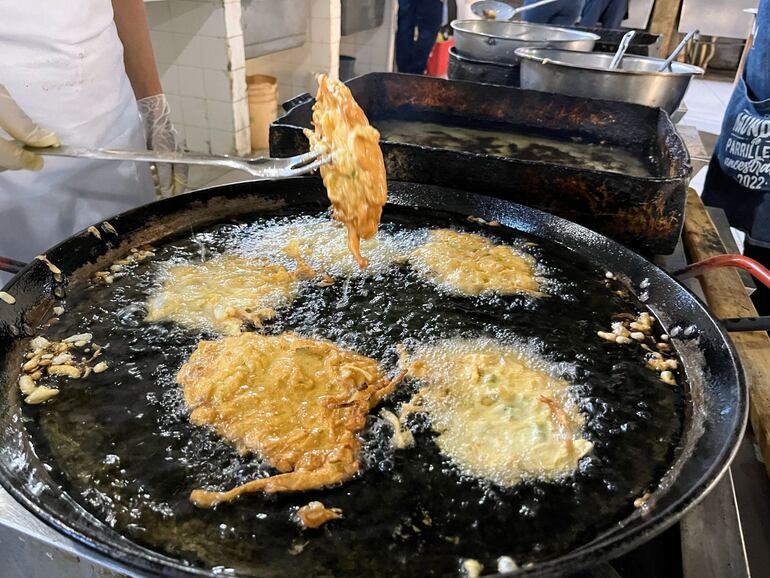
x=586 y=74
x=497 y=41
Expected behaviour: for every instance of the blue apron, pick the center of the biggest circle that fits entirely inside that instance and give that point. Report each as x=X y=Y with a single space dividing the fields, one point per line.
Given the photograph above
x=738 y=179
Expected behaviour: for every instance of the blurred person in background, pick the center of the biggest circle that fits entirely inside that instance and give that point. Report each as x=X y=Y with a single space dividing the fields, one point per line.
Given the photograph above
x=559 y=13
x=419 y=22
x=608 y=13
x=83 y=75
x=738 y=178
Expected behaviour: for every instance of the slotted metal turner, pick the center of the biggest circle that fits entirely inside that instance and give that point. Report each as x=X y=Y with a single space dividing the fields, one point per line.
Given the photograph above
x=261 y=167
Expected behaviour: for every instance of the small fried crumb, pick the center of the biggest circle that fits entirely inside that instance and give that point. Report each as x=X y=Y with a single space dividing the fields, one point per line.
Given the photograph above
x=402 y=437
x=51 y=267
x=326 y=281
x=297 y=548
x=506 y=564
x=315 y=514
x=41 y=394
x=472 y=568
x=642 y=500
x=107 y=228
x=667 y=377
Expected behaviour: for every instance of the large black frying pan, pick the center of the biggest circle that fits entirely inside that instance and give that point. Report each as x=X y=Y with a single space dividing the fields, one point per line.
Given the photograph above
x=714 y=417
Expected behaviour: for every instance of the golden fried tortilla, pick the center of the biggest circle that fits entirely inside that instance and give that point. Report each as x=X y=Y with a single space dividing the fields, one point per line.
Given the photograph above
x=355 y=179
x=294 y=401
x=223 y=293
x=471 y=264
x=498 y=415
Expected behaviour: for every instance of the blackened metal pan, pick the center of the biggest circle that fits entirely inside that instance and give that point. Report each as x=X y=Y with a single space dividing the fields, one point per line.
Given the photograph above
x=712 y=429
x=645 y=212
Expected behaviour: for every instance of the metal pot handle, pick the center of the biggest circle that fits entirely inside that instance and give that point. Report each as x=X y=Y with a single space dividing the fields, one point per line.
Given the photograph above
x=298 y=100
x=11 y=265
x=491 y=40
x=757 y=270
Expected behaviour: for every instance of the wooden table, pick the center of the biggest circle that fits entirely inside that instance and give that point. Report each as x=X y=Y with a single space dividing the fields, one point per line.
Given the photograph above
x=728 y=533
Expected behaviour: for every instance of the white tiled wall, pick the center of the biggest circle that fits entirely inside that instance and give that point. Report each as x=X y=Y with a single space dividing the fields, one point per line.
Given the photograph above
x=296 y=69
x=199 y=49
x=373 y=49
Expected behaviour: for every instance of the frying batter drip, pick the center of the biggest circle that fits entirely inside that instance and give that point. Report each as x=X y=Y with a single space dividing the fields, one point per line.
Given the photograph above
x=355 y=179
x=498 y=417
x=223 y=293
x=296 y=402
x=471 y=264
x=316 y=246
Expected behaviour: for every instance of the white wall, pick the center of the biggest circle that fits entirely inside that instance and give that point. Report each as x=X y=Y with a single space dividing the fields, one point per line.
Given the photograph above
x=199 y=50
x=374 y=49
x=297 y=68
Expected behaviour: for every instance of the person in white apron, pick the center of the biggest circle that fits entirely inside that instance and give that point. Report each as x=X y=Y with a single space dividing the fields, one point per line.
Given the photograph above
x=62 y=64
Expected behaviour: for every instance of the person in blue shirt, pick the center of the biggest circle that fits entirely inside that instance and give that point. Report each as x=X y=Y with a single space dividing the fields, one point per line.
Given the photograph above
x=738 y=178
x=610 y=13
x=559 y=13
x=419 y=22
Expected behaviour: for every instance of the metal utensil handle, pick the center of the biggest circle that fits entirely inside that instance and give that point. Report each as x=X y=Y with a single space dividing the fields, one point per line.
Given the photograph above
x=757 y=270
x=530 y=7
x=677 y=50
x=761 y=323
x=139 y=155
x=11 y=265
x=625 y=41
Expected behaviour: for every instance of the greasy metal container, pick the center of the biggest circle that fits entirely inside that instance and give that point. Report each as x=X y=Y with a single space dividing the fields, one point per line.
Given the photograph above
x=461 y=68
x=643 y=43
x=497 y=40
x=587 y=74
x=645 y=212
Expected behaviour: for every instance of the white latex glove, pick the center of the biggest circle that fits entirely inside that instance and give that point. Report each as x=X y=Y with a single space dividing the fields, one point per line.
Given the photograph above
x=20 y=127
x=161 y=135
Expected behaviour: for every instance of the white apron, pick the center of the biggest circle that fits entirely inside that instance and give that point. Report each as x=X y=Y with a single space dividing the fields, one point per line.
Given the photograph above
x=63 y=64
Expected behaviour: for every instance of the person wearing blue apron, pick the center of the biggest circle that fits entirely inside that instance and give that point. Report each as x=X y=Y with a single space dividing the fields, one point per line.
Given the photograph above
x=82 y=75
x=559 y=13
x=738 y=178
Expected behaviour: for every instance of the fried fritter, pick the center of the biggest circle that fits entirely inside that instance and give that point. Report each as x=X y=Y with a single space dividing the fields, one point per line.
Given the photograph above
x=223 y=293
x=296 y=402
x=471 y=264
x=355 y=179
x=498 y=415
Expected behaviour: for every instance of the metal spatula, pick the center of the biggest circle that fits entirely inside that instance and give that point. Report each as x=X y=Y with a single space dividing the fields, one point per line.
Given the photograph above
x=495 y=10
x=261 y=167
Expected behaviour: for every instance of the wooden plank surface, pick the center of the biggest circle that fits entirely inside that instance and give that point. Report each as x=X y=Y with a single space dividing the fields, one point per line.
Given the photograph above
x=727 y=297
x=665 y=21
x=698 y=154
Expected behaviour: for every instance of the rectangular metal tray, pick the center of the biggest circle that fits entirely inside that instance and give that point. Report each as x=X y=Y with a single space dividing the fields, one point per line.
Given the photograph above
x=646 y=213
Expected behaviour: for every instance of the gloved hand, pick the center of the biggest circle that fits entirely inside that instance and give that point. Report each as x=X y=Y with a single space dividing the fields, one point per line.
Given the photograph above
x=161 y=135
x=20 y=127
